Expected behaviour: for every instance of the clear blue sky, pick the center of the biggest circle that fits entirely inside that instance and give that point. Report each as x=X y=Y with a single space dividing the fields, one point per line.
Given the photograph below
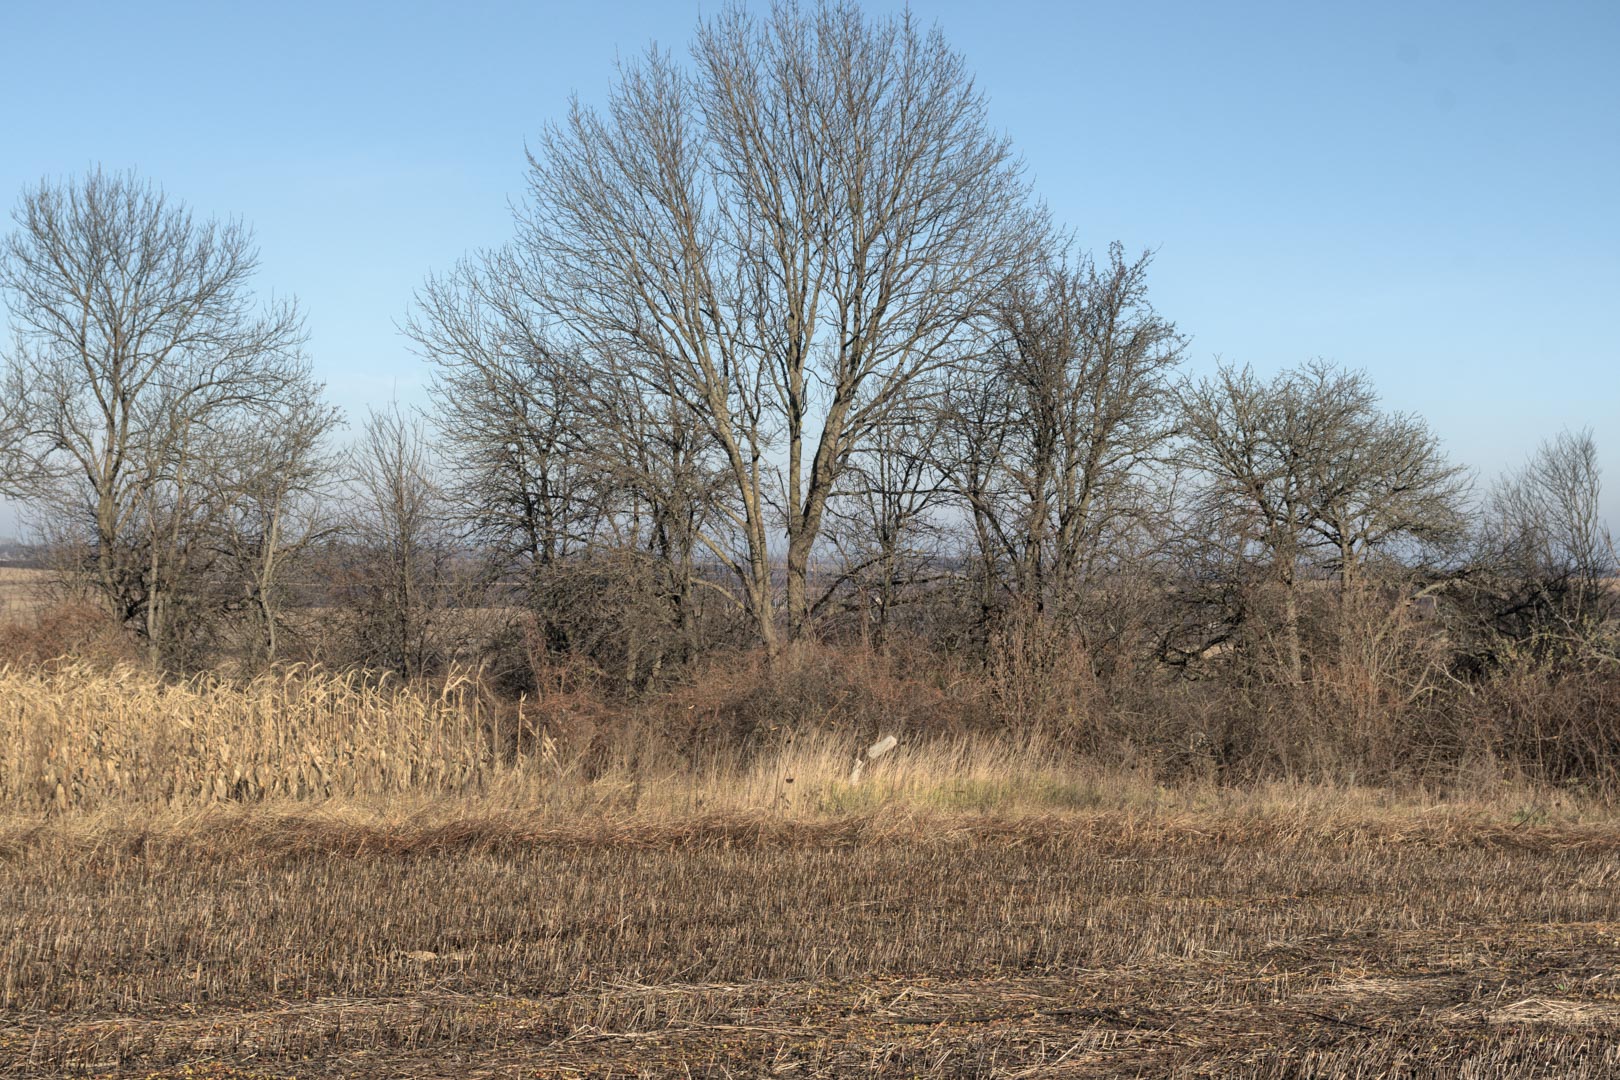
x=1428 y=191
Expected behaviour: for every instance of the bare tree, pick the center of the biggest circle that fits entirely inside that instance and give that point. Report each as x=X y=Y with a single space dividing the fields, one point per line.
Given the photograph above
x=275 y=483
x=401 y=526
x=657 y=458
x=1054 y=447
x=16 y=465
x=781 y=238
x=1308 y=472
x=555 y=459
x=972 y=443
x=886 y=520
x=1543 y=576
x=138 y=344
x=511 y=409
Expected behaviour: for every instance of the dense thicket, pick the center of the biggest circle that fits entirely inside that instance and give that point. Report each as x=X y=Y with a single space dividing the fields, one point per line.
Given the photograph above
x=784 y=351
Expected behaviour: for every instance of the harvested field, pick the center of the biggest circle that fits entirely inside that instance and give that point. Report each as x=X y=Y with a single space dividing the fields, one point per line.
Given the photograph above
x=1228 y=942
x=23 y=592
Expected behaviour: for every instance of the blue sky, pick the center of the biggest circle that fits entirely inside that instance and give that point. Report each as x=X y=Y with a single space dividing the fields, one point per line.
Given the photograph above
x=1428 y=191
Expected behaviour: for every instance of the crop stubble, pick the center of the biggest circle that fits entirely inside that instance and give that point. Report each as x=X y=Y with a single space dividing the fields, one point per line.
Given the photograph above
x=253 y=944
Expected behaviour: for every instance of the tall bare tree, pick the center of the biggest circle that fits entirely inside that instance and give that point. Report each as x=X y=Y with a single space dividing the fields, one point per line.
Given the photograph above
x=782 y=237
x=138 y=343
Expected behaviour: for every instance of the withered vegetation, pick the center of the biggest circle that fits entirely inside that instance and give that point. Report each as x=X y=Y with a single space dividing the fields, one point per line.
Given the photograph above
x=334 y=874
x=317 y=874
x=1257 y=939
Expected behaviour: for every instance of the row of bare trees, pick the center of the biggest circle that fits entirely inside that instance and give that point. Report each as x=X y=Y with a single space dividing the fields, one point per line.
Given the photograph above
x=782 y=346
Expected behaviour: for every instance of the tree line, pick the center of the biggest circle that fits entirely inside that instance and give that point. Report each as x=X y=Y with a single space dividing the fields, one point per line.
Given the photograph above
x=783 y=347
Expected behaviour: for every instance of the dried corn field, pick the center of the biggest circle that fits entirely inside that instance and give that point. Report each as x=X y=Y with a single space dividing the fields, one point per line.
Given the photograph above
x=75 y=738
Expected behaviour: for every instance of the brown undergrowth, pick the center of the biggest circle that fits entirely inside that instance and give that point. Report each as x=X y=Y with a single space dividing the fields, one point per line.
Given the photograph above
x=79 y=738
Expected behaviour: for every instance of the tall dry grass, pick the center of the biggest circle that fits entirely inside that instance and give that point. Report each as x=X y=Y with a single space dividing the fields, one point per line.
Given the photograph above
x=96 y=742
x=78 y=738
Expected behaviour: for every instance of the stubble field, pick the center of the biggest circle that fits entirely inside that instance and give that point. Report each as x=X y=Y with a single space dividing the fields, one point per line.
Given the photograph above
x=22 y=592
x=1247 y=941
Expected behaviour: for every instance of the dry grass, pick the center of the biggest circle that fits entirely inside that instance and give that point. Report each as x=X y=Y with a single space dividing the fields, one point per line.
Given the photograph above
x=79 y=740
